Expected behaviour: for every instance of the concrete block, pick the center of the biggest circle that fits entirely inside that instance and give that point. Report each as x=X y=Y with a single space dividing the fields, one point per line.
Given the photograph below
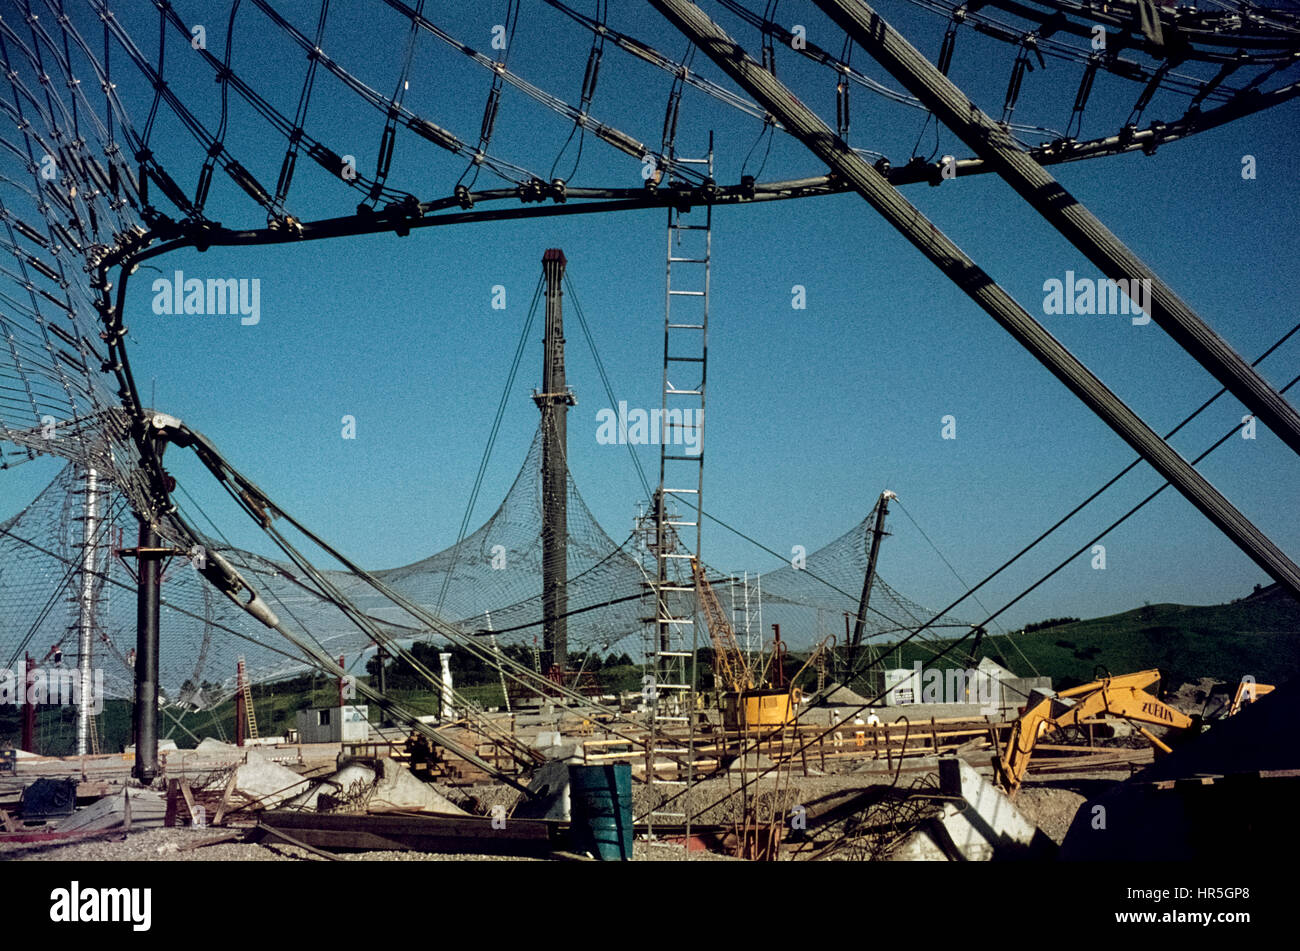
x=397 y=789
x=148 y=808
x=339 y=784
x=985 y=826
x=269 y=783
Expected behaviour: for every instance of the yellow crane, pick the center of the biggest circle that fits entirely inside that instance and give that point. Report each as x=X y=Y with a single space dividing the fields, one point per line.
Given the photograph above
x=746 y=705
x=729 y=667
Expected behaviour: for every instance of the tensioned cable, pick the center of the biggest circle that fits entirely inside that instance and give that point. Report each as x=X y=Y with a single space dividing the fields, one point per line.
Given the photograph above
x=577 y=307
x=508 y=665
x=491 y=441
x=960 y=579
x=1127 y=514
x=609 y=392
x=174 y=607
x=1109 y=482
x=604 y=377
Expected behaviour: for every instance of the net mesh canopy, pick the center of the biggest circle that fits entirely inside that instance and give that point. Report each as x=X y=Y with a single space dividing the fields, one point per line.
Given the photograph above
x=492 y=581
x=133 y=128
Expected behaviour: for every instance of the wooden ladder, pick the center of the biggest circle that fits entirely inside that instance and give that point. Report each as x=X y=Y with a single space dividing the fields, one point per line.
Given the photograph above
x=246 y=690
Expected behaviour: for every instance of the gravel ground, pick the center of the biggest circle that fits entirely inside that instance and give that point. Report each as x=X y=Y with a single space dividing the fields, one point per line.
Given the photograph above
x=1052 y=810
x=165 y=845
x=1051 y=804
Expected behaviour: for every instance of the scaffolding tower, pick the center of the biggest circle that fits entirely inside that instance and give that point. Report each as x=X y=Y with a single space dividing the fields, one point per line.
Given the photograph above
x=674 y=519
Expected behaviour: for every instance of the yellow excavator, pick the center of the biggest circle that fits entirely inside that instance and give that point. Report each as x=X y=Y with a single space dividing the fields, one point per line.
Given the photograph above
x=1123 y=696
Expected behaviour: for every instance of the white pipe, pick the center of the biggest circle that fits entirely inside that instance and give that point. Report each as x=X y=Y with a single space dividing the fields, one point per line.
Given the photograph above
x=86 y=612
x=448 y=712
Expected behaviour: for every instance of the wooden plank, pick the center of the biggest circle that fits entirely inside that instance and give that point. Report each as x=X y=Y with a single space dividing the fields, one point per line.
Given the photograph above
x=225 y=798
x=292 y=840
x=463 y=827
x=339 y=840
x=215 y=840
x=459 y=835
x=189 y=798
x=169 y=814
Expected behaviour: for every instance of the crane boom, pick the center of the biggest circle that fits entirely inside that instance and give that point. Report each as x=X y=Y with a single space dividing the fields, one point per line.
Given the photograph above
x=728 y=662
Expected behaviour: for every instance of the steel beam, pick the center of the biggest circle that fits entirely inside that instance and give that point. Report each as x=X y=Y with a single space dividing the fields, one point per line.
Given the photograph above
x=1063 y=211
x=979 y=286
x=148 y=565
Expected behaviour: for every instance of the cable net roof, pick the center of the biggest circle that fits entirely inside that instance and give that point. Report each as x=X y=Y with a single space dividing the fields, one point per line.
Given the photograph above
x=493 y=580
x=126 y=126
x=188 y=119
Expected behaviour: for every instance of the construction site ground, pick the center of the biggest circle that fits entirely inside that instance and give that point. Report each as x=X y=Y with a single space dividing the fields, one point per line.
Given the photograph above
x=1049 y=803
x=828 y=774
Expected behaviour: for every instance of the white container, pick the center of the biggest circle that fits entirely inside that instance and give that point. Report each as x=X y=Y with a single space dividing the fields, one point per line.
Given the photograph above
x=347 y=724
x=902 y=686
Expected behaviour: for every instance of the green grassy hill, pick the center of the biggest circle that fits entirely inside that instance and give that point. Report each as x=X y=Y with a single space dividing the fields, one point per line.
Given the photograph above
x=1257 y=635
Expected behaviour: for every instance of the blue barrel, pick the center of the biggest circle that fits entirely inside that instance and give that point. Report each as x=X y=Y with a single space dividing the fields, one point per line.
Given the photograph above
x=600 y=809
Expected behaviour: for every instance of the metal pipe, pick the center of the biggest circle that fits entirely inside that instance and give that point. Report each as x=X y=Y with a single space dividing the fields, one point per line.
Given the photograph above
x=29 y=708
x=1063 y=211
x=86 y=613
x=148 y=565
x=979 y=286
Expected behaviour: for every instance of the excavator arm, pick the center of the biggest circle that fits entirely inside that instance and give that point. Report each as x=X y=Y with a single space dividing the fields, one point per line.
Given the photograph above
x=1124 y=696
x=1247 y=693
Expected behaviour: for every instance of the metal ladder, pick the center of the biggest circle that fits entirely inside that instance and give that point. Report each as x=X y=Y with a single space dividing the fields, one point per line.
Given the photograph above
x=740 y=616
x=678 y=502
x=246 y=690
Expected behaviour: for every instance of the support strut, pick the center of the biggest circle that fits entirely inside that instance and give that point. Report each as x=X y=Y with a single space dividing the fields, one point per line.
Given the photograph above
x=979 y=286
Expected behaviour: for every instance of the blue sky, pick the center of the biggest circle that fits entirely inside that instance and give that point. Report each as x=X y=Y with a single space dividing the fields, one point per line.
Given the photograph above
x=811 y=412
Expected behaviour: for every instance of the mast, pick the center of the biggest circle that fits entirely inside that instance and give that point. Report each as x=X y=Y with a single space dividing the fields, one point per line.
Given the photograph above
x=877 y=533
x=554 y=401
